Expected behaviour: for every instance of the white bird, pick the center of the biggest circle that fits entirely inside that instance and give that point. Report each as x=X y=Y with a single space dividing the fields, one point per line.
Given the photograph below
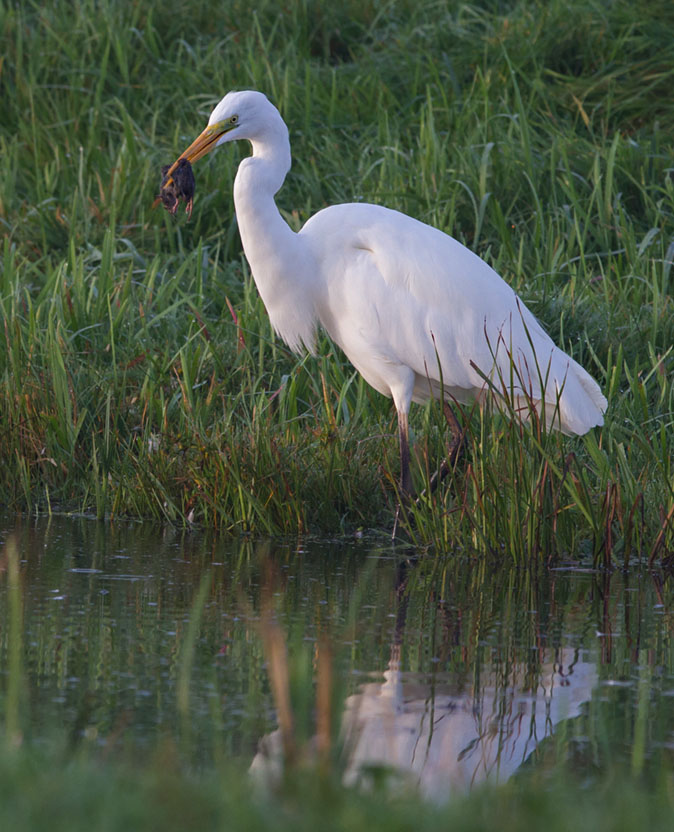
x=416 y=312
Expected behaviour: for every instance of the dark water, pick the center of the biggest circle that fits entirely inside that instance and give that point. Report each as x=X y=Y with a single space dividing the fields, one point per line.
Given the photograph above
x=451 y=671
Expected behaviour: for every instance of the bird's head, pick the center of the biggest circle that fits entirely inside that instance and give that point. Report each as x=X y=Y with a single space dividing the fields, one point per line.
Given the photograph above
x=239 y=115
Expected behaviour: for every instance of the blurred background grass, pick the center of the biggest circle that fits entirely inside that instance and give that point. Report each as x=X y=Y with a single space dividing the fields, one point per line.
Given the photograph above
x=139 y=375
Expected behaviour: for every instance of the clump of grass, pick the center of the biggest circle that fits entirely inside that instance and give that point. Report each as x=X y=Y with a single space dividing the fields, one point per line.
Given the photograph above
x=37 y=790
x=138 y=374
x=523 y=489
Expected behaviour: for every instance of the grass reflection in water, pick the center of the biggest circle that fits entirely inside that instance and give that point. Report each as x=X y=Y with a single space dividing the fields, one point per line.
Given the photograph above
x=434 y=672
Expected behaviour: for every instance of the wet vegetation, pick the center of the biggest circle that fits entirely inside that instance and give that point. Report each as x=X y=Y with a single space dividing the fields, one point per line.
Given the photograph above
x=140 y=675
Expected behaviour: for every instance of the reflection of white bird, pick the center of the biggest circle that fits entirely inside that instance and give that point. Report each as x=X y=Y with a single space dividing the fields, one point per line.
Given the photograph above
x=446 y=740
x=435 y=734
x=416 y=312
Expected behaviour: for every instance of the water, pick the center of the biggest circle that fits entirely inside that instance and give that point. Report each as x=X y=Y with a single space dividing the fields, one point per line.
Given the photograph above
x=451 y=672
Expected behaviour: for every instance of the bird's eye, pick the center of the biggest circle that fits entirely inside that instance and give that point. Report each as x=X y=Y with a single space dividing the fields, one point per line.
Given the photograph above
x=233 y=119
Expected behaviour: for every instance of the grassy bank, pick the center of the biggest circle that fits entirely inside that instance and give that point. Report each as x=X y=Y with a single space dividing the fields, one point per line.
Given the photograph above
x=138 y=372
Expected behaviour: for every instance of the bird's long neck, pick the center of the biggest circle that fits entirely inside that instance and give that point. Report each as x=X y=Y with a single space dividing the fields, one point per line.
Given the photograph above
x=258 y=179
x=272 y=249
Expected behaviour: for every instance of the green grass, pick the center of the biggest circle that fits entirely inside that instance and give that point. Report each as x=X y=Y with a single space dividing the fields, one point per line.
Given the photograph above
x=39 y=791
x=138 y=372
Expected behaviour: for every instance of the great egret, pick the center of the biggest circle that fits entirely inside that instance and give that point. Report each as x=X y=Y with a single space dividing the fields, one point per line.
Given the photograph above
x=416 y=312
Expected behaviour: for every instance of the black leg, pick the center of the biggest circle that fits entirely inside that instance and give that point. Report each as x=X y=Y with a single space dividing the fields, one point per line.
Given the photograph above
x=406 y=488
x=454 y=448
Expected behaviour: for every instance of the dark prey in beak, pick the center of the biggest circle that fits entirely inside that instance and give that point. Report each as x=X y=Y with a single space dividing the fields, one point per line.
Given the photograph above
x=178 y=186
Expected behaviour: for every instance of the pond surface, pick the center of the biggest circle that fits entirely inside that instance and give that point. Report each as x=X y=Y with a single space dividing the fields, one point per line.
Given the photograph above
x=125 y=640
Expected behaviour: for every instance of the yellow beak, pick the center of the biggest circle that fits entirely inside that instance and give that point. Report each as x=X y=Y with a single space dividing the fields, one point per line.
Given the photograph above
x=199 y=147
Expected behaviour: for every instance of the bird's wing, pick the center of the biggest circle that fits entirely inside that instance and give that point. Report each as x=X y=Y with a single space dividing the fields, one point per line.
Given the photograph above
x=399 y=290
x=424 y=298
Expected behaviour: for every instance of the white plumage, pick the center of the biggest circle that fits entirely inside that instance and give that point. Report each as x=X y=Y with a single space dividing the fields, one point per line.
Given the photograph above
x=408 y=304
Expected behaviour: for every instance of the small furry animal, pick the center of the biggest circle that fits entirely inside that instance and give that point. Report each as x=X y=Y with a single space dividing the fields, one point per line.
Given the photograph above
x=177 y=186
